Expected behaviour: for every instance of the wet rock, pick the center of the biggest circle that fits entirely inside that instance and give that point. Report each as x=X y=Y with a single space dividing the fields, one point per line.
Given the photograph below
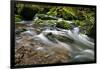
x=29 y=51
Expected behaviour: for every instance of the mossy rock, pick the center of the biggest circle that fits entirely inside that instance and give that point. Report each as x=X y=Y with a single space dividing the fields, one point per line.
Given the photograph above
x=63 y=25
x=17 y=18
x=69 y=16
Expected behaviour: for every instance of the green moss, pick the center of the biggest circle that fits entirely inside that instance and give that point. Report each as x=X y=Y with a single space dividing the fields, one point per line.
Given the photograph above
x=17 y=18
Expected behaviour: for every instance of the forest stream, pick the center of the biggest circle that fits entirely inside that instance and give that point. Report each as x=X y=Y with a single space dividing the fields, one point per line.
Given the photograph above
x=53 y=34
x=52 y=45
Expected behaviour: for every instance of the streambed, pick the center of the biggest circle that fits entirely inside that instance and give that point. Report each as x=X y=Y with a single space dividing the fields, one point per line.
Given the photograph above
x=49 y=44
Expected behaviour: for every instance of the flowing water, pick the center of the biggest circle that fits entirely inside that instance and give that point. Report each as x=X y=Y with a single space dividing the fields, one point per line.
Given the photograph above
x=81 y=47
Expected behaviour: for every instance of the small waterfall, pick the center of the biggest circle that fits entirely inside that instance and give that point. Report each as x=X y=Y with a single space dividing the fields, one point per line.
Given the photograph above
x=79 y=38
x=81 y=42
x=29 y=32
x=42 y=37
x=82 y=46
